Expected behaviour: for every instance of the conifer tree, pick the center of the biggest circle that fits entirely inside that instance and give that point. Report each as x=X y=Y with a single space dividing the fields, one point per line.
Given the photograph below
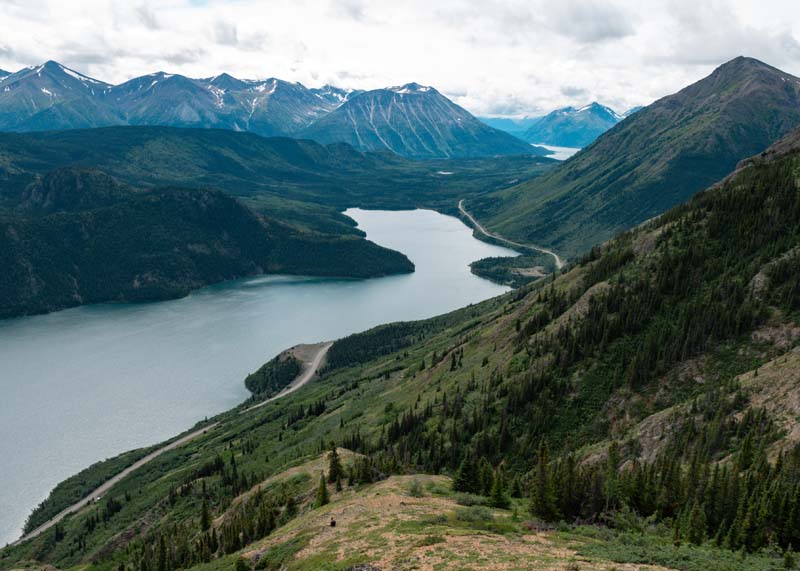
x=205 y=517
x=322 y=492
x=543 y=496
x=486 y=475
x=697 y=525
x=335 y=470
x=466 y=478
x=498 y=497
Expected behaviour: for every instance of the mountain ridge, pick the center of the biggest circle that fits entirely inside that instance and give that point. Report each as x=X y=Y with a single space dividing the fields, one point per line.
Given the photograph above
x=656 y=158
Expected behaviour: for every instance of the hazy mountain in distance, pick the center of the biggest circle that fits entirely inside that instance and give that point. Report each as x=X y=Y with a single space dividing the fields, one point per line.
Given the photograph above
x=571 y=127
x=511 y=125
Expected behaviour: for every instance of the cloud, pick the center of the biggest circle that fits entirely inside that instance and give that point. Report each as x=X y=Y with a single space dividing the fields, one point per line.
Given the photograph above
x=590 y=22
x=225 y=33
x=147 y=16
x=573 y=91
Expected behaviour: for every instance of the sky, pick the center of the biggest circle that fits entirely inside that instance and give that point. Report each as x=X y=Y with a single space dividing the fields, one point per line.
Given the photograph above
x=495 y=57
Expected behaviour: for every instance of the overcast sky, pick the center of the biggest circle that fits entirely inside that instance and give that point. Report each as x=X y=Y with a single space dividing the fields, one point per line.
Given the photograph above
x=494 y=57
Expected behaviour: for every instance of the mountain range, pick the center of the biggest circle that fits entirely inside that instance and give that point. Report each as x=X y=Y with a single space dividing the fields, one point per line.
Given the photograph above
x=654 y=159
x=411 y=120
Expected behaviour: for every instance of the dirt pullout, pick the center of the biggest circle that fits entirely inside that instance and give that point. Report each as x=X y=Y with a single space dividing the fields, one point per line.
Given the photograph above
x=311 y=357
x=382 y=525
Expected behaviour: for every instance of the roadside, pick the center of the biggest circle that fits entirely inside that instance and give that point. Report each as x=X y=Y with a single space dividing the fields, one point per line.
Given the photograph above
x=556 y=258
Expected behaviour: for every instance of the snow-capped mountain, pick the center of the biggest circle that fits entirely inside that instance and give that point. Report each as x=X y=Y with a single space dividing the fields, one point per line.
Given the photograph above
x=571 y=127
x=35 y=98
x=411 y=120
x=52 y=96
x=415 y=121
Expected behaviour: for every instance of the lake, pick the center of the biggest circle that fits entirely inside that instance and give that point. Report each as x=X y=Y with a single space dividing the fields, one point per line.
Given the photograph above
x=88 y=383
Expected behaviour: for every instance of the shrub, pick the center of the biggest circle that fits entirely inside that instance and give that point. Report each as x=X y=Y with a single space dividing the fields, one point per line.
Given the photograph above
x=474 y=514
x=470 y=500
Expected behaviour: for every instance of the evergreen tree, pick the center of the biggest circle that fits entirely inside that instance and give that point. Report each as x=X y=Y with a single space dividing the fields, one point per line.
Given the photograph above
x=205 y=517
x=335 y=470
x=498 y=497
x=322 y=492
x=612 y=490
x=486 y=475
x=466 y=478
x=543 y=495
x=697 y=525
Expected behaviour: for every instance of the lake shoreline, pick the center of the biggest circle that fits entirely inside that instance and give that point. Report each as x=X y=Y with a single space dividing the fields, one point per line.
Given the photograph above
x=241 y=323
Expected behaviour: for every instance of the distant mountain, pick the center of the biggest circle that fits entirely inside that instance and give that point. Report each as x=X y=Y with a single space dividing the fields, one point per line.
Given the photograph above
x=52 y=96
x=414 y=121
x=4 y=74
x=656 y=158
x=632 y=110
x=571 y=127
x=516 y=127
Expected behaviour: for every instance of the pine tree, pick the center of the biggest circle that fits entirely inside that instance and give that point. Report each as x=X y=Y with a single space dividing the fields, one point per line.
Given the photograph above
x=486 y=475
x=466 y=478
x=335 y=470
x=498 y=497
x=205 y=517
x=612 y=490
x=697 y=525
x=322 y=492
x=543 y=496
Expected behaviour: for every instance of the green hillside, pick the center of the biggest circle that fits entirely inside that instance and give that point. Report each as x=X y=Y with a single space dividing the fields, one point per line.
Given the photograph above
x=649 y=162
x=649 y=391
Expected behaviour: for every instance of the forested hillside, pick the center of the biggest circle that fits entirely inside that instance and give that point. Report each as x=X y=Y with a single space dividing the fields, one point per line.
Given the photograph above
x=648 y=391
x=81 y=236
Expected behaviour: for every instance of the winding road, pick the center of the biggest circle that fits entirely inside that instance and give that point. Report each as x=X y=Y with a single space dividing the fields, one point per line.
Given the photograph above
x=558 y=261
x=108 y=484
x=97 y=493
